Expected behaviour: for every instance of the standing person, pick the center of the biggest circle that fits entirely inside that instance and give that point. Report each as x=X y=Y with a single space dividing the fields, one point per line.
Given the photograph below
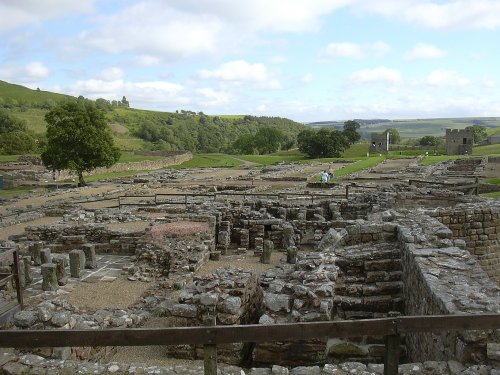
x=324 y=178
x=330 y=174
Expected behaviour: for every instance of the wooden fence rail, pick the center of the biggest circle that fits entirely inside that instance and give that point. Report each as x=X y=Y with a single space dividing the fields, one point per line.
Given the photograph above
x=390 y=328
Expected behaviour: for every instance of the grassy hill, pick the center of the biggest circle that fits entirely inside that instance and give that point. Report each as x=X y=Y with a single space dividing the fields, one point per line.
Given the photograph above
x=17 y=95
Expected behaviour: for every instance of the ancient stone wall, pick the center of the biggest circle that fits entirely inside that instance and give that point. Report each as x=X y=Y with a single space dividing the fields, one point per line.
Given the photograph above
x=231 y=295
x=62 y=238
x=441 y=277
x=479 y=226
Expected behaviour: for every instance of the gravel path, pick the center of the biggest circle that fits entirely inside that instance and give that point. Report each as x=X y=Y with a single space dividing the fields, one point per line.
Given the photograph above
x=118 y=294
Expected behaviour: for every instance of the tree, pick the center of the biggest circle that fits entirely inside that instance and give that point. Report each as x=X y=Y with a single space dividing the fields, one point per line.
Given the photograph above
x=324 y=143
x=394 y=136
x=243 y=145
x=78 y=139
x=429 y=140
x=479 y=132
x=351 y=128
x=351 y=125
x=124 y=102
x=267 y=140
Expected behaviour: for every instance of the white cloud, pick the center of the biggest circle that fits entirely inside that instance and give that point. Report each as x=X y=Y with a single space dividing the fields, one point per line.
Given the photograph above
x=446 y=78
x=448 y=14
x=146 y=60
x=111 y=74
x=424 y=51
x=354 y=50
x=307 y=78
x=342 y=50
x=379 y=74
x=275 y=15
x=167 y=34
x=212 y=98
x=17 y=13
x=36 y=70
x=241 y=72
x=29 y=73
x=137 y=92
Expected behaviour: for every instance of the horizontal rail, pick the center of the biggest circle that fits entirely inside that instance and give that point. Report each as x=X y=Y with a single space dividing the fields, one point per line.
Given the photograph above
x=246 y=333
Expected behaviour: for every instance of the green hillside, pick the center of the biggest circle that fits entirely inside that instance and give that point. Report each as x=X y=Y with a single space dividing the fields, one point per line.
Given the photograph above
x=19 y=96
x=135 y=129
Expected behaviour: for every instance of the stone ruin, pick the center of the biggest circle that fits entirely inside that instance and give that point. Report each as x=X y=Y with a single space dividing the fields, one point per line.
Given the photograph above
x=374 y=255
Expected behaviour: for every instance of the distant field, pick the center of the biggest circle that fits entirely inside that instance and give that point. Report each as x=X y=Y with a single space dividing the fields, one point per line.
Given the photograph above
x=417 y=128
x=436 y=127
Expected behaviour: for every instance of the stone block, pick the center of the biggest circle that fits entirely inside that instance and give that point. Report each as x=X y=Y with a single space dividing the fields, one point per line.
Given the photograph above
x=61 y=262
x=90 y=258
x=49 y=277
x=45 y=256
x=28 y=272
x=76 y=263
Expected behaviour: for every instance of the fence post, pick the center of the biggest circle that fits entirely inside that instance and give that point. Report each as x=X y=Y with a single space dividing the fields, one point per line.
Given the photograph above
x=209 y=351
x=347 y=191
x=19 y=288
x=476 y=190
x=119 y=203
x=185 y=199
x=391 y=357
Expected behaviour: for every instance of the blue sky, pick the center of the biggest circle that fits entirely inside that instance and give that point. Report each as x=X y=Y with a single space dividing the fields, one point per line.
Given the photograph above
x=308 y=60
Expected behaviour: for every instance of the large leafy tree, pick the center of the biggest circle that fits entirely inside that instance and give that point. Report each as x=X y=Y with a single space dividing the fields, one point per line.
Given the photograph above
x=429 y=140
x=323 y=143
x=479 y=132
x=78 y=139
x=351 y=128
x=267 y=140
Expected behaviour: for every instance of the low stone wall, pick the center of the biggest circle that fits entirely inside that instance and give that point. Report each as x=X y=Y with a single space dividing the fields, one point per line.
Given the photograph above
x=62 y=238
x=146 y=165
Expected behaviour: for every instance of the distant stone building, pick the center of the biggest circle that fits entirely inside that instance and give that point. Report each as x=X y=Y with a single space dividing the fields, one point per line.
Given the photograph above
x=459 y=142
x=379 y=143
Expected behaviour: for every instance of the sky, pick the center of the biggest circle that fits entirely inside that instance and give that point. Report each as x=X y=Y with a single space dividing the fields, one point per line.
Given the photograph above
x=308 y=60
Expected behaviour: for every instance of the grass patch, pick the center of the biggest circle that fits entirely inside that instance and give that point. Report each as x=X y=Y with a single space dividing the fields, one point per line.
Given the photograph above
x=493 y=181
x=356 y=166
x=111 y=175
x=8 y=158
x=18 y=190
x=429 y=160
x=359 y=165
x=356 y=151
x=209 y=160
x=495 y=194
x=486 y=150
x=271 y=159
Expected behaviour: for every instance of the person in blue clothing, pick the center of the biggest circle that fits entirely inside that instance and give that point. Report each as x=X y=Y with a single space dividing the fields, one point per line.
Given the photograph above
x=324 y=178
